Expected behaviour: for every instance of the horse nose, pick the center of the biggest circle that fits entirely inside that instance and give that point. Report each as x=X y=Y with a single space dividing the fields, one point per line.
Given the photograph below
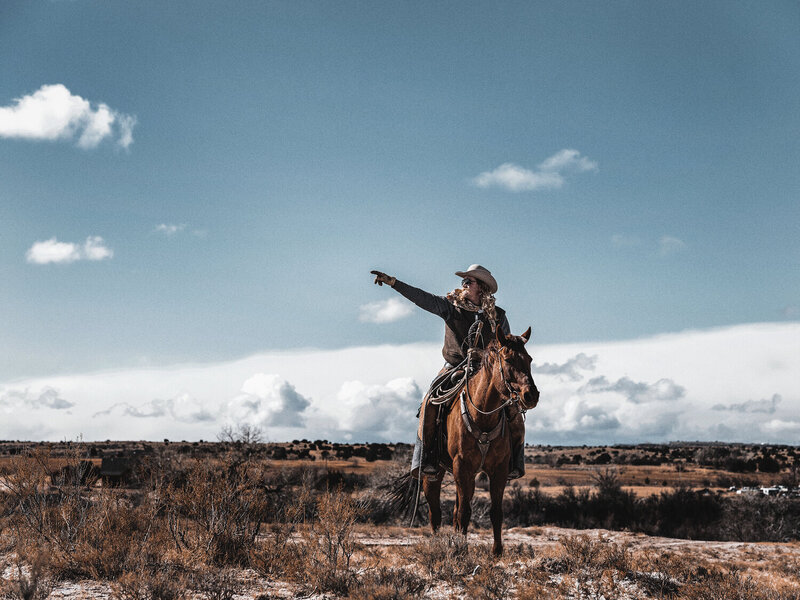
x=530 y=397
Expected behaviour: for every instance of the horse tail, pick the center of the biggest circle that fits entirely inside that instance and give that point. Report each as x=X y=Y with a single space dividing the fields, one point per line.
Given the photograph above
x=401 y=496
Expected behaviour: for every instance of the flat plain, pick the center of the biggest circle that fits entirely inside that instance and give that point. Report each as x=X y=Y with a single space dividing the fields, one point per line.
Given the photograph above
x=312 y=519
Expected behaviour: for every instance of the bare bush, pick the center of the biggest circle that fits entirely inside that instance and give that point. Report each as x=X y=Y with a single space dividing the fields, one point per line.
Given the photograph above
x=329 y=545
x=163 y=583
x=445 y=556
x=83 y=533
x=218 y=512
x=384 y=583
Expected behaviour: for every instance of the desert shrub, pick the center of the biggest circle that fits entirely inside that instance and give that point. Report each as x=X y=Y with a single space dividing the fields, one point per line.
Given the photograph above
x=159 y=583
x=761 y=518
x=446 y=556
x=218 y=513
x=731 y=585
x=681 y=512
x=216 y=584
x=83 y=535
x=490 y=582
x=536 y=590
x=385 y=583
x=328 y=544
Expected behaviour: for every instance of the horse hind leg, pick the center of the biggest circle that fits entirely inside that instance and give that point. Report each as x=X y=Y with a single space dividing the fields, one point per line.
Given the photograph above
x=432 y=489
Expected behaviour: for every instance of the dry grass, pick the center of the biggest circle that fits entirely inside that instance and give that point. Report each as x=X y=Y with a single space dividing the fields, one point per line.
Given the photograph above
x=215 y=529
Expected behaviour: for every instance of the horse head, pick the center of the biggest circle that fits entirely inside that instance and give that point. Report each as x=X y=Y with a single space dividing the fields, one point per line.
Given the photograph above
x=515 y=363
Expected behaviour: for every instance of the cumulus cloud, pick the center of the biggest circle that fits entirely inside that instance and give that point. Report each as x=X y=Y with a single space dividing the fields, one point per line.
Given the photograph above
x=384 y=311
x=669 y=245
x=53 y=251
x=569 y=369
x=386 y=412
x=267 y=400
x=753 y=406
x=548 y=175
x=583 y=417
x=653 y=389
x=46 y=397
x=518 y=179
x=182 y=407
x=568 y=160
x=169 y=229
x=637 y=392
x=54 y=113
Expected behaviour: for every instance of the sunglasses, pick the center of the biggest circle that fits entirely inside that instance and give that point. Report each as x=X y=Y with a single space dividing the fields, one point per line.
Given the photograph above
x=467 y=282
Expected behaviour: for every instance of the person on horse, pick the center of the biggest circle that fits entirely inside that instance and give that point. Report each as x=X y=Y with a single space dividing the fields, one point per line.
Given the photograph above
x=471 y=319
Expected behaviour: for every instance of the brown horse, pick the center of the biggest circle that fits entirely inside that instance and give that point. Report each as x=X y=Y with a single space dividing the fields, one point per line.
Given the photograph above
x=478 y=437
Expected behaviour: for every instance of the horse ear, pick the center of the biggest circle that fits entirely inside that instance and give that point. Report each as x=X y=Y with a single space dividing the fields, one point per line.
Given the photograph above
x=501 y=335
x=527 y=335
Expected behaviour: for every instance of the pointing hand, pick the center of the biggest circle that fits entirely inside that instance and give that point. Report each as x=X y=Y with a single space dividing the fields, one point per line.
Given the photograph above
x=381 y=278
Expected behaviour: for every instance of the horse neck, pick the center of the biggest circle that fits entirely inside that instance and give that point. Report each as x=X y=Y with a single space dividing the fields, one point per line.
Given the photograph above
x=484 y=393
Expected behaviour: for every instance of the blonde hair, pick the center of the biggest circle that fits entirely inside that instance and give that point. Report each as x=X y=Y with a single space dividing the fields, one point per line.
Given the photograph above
x=487 y=305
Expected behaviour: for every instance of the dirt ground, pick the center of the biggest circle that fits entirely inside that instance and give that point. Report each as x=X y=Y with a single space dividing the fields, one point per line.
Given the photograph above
x=772 y=563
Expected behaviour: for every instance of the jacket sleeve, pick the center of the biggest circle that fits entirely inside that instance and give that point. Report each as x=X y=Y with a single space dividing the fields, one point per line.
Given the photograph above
x=425 y=300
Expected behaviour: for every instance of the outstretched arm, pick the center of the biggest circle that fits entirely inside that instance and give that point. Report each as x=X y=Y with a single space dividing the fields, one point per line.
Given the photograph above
x=425 y=300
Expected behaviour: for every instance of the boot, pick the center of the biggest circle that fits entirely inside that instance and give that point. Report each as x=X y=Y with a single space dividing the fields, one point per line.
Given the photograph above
x=516 y=426
x=430 y=448
x=430 y=461
x=517 y=468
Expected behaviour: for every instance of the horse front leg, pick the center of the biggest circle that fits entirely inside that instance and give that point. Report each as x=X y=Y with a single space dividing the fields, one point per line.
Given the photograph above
x=432 y=495
x=465 y=488
x=497 y=487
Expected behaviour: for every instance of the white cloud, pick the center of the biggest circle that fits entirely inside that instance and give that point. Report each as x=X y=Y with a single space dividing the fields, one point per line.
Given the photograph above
x=95 y=249
x=46 y=397
x=267 y=400
x=781 y=427
x=655 y=389
x=669 y=245
x=182 y=407
x=569 y=369
x=518 y=179
x=53 y=251
x=379 y=412
x=169 y=229
x=384 y=311
x=54 y=113
x=568 y=160
x=549 y=174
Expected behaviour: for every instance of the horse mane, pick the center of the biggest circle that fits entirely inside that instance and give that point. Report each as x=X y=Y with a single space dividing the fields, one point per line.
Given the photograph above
x=513 y=342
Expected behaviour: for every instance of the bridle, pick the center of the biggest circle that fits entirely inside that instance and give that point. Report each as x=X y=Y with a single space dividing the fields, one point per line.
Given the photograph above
x=513 y=395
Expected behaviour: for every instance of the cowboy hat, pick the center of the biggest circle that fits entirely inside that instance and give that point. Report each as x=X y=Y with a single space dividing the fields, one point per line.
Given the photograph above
x=482 y=274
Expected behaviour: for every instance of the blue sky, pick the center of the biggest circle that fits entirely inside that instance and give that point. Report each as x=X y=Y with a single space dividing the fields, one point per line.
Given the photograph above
x=199 y=182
